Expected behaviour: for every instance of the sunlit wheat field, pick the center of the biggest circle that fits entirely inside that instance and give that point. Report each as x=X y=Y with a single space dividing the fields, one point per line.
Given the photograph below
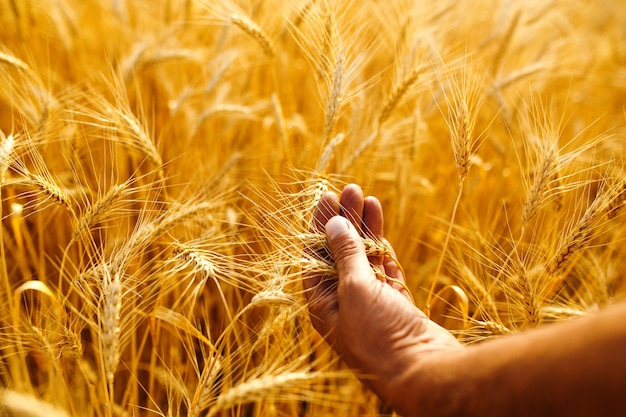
x=160 y=162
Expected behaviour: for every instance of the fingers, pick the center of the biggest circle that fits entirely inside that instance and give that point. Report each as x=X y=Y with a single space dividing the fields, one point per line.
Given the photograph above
x=391 y=268
x=324 y=310
x=327 y=207
x=366 y=217
x=352 y=205
x=373 y=225
x=365 y=214
x=373 y=218
x=345 y=219
x=346 y=247
x=351 y=263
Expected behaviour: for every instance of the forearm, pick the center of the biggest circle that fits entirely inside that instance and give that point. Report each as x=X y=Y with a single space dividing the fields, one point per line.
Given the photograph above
x=572 y=368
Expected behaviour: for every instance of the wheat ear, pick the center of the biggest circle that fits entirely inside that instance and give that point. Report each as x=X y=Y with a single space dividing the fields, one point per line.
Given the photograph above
x=13 y=403
x=396 y=95
x=461 y=126
x=14 y=62
x=334 y=96
x=110 y=325
x=461 y=134
x=98 y=209
x=205 y=390
x=557 y=185
x=326 y=50
x=328 y=152
x=263 y=387
x=6 y=149
x=538 y=188
x=51 y=189
x=209 y=270
x=617 y=198
x=302 y=13
x=144 y=141
x=493 y=327
x=255 y=32
x=527 y=297
x=576 y=239
x=191 y=255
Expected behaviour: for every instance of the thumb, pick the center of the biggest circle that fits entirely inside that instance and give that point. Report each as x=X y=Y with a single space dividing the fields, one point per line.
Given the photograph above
x=347 y=250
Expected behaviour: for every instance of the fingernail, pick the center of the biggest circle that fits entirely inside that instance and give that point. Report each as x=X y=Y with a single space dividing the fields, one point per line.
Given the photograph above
x=336 y=226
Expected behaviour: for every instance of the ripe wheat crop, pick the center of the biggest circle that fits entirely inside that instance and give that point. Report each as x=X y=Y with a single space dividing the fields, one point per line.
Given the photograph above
x=160 y=162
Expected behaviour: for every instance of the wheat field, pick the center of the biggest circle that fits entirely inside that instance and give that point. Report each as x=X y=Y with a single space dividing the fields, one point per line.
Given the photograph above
x=160 y=161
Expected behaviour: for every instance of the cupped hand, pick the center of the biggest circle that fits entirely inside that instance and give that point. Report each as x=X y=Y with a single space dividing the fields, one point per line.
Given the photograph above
x=372 y=324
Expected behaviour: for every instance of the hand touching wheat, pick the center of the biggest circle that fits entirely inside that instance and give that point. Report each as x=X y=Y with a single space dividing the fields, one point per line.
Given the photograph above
x=418 y=368
x=372 y=324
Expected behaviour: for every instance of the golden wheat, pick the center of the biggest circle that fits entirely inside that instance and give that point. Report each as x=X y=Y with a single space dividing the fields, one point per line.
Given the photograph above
x=112 y=294
x=160 y=165
x=255 y=32
x=27 y=405
x=397 y=93
x=98 y=209
x=50 y=189
x=7 y=148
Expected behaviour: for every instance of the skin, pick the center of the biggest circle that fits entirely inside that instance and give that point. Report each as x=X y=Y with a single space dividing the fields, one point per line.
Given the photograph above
x=576 y=368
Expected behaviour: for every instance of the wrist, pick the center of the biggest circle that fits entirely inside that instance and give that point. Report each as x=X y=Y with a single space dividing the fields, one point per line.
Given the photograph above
x=429 y=385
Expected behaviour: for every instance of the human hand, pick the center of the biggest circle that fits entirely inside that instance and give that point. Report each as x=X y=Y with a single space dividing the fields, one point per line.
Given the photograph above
x=371 y=324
